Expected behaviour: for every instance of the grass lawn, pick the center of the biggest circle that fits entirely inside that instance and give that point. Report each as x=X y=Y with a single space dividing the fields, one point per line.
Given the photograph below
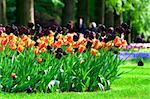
x=132 y=85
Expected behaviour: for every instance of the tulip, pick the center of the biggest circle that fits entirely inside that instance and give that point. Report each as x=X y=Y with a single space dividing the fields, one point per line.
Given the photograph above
x=69 y=49
x=81 y=48
x=20 y=48
x=109 y=44
x=11 y=36
x=75 y=44
x=36 y=51
x=69 y=38
x=124 y=43
x=117 y=41
x=4 y=41
x=43 y=49
x=13 y=75
x=118 y=44
x=93 y=51
x=39 y=60
x=12 y=46
x=58 y=44
x=98 y=45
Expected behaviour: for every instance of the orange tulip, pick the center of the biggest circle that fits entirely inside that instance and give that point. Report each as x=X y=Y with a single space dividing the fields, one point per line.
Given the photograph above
x=20 y=48
x=24 y=38
x=12 y=46
x=36 y=51
x=58 y=44
x=75 y=44
x=46 y=40
x=124 y=43
x=81 y=48
x=58 y=36
x=41 y=45
x=117 y=41
x=93 y=51
x=43 y=49
x=20 y=42
x=109 y=44
x=39 y=60
x=69 y=38
x=69 y=49
x=94 y=42
x=4 y=41
x=52 y=44
x=13 y=75
x=98 y=45
x=11 y=36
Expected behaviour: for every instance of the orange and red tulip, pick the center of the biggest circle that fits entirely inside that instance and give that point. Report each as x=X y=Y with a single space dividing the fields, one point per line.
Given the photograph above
x=81 y=48
x=93 y=51
x=20 y=48
x=39 y=60
x=36 y=51
x=69 y=49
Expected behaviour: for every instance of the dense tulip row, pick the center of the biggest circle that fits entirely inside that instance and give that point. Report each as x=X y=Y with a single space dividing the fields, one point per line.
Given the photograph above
x=57 y=61
x=47 y=43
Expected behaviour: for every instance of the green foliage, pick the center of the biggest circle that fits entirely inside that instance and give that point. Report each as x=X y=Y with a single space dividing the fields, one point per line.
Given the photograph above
x=57 y=3
x=135 y=11
x=140 y=16
x=10 y=10
x=53 y=75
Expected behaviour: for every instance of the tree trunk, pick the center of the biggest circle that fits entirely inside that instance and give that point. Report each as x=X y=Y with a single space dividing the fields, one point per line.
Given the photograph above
x=109 y=17
x=68 y=11
x=117 y=19
x=83 y=10
x=100 y=11
x=3 y=18
x=25 y=11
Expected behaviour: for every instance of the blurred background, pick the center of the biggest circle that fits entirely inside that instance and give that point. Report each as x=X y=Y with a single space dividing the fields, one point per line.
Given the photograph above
x=136 y=13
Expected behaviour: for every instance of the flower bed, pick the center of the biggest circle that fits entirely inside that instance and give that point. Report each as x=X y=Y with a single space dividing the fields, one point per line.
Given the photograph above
x=132 y=55
x=52 y=61
x=135 y=50
x=137 y=47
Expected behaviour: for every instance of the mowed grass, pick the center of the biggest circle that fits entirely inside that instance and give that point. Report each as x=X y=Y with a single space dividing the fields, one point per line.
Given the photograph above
x=132 y=85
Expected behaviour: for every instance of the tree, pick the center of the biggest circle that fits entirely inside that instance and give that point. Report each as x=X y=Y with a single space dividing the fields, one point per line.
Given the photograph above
x=109 y=17
x=68 y=11
x=83 y=10
x=25 y=11
x=118 y=19
x=3 y=18
x=100 y=11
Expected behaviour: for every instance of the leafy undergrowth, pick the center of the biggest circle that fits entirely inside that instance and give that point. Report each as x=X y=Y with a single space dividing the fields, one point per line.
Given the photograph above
x=134 y=84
